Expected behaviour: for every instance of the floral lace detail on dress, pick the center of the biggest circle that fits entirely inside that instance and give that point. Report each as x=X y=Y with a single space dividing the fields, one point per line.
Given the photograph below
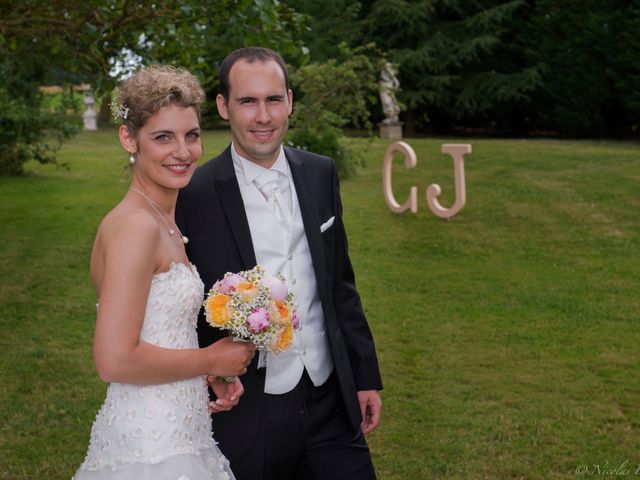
x=150 y=424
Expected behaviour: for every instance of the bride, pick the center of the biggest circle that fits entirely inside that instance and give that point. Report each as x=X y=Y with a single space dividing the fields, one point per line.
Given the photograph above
x=155 y=422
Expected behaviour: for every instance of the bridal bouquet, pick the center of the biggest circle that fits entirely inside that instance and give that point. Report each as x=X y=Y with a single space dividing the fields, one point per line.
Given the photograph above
x=253 y=308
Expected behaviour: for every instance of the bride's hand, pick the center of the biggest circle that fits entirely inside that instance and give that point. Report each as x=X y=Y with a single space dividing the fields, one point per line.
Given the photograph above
x=229 y=358
x=228 y=394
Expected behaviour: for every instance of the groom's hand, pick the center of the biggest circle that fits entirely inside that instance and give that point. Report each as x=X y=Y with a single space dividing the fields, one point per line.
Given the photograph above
x=370 y=407
x=228 y=394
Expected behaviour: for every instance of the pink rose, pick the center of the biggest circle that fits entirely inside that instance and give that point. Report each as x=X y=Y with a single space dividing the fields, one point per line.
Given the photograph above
x=228 y=283
x=277 y=289
x=233 y=280
x=258 y=320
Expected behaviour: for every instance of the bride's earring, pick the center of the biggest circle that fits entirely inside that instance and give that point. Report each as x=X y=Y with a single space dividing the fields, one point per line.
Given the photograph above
x=132 y=160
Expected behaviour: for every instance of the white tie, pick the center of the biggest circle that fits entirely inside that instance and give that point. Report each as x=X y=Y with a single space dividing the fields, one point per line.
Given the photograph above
x=267 y=183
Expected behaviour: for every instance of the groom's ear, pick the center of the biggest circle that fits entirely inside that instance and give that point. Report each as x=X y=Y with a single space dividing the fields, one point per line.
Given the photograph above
x=222 y=107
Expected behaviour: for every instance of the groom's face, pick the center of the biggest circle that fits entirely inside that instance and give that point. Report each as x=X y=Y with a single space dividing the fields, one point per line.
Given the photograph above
x=258 y=109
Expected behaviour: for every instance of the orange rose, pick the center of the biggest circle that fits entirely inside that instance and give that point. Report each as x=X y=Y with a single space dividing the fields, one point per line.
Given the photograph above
x=284 y=340
x=274 y=314
x=218 y=310
x=283 y=310
x=246 y=290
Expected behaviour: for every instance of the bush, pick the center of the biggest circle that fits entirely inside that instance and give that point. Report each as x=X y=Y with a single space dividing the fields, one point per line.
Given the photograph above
x=29 y=132
x=331 y=95
x=326 y=140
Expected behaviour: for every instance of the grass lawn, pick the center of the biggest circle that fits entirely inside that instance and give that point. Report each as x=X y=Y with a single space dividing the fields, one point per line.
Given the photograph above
x=508 y=336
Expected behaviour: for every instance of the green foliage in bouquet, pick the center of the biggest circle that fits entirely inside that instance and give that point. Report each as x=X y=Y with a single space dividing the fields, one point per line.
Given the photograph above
x=330 y=96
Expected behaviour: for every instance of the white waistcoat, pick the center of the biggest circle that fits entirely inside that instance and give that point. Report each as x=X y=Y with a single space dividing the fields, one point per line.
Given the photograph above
x=288 y=253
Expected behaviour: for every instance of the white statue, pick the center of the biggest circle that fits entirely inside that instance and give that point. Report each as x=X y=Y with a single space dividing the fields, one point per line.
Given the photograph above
x=89 y=116
x=389 y=84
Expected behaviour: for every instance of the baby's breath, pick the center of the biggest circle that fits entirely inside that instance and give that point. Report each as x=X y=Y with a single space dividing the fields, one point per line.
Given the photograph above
x=119 y=112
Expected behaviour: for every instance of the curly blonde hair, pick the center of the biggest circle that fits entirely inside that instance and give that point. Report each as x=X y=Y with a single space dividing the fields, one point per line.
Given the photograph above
x=154 y=87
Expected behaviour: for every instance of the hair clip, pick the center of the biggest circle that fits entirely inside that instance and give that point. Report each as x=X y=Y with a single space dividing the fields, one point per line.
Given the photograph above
x=119 y=112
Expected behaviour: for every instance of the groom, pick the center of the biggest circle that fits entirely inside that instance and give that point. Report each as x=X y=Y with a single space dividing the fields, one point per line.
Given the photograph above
x=303 y=416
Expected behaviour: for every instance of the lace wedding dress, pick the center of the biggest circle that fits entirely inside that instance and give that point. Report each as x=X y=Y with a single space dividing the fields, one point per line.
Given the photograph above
x=159 y=432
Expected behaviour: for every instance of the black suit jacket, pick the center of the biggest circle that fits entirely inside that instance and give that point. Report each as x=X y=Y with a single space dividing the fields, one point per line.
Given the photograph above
x=210 y=211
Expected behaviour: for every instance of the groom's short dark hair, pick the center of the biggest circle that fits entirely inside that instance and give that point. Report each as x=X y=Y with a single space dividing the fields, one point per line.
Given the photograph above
x=250 y=55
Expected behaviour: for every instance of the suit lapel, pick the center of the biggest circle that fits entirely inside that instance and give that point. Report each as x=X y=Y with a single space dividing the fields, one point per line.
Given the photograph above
x=310 y=218
x=231 y=201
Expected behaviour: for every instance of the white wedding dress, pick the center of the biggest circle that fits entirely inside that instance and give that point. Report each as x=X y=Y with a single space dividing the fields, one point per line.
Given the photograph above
x=159 y=432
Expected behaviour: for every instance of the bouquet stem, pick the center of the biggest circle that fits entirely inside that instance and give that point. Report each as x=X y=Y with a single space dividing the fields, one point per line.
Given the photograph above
x=227 y=380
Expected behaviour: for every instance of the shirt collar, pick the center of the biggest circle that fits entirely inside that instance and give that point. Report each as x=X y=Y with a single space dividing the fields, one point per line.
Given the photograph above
x=250 y=170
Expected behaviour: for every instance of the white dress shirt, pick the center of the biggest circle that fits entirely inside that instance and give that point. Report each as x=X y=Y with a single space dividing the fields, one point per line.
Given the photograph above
x=286 y=253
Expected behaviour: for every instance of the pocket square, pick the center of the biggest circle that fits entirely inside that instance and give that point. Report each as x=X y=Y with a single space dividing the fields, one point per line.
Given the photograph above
x=326 y=225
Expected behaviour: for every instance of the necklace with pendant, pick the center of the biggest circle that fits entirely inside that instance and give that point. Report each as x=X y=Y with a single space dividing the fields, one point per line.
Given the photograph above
x=159 y=211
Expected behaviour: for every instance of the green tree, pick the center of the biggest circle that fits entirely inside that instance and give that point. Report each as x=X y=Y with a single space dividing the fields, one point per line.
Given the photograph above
x=87 y=39
x=590 y=57
x=451 y=57
x=328 y=24
x=38 y=38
